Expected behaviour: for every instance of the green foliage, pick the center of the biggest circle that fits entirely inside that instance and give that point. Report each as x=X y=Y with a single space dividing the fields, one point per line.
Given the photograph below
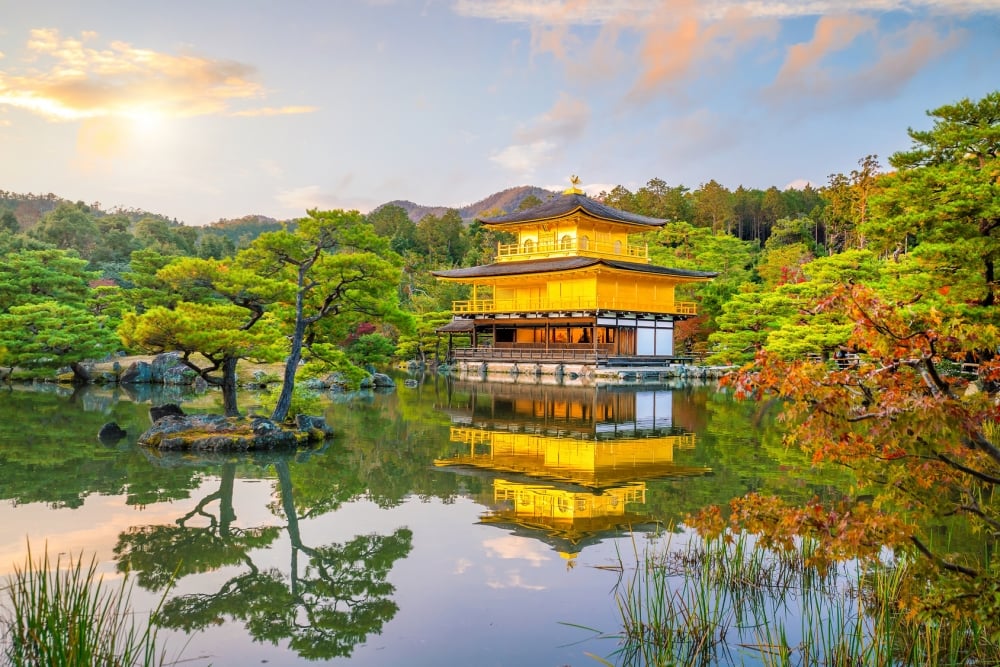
x=212 y=330
x=714 y=207
x=69 y=227
x=9 y=223
x=49 y=335
x=783 y=264
x=683 y=246
x=165 y=237
x=745 y=324
x=531 y=201
x=424 y=341
x=143 y=288
x=43 y=275
x=371 y=350
x=442 y=240
x=939 y=213
x=392 y=222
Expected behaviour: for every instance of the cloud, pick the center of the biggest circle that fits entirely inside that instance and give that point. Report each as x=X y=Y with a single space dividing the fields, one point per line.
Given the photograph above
x=537 y=140
x=67 y=78
x=566 y=120
x=678 y=43
x=523 y=159
x=692 y=135
x=897 y=57
x=513 y=547
x=306 y=197
x=275 y=111
x=682 y=41
x=577 y=12
x=831 y=34
x=514 y=580
x=299 y=200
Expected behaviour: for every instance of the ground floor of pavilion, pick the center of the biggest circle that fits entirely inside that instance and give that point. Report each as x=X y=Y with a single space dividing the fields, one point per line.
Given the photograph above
x=592 y=339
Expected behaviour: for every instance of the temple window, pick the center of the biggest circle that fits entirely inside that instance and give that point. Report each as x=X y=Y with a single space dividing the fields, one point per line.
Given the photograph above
x=529 y=245
x=566 y=243
x=584 y=242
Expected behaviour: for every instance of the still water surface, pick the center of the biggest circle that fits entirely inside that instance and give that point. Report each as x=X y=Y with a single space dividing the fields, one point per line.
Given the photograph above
x=449 y=523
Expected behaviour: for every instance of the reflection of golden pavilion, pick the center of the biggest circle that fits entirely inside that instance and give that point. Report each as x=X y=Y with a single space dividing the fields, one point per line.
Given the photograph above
x=568 y=463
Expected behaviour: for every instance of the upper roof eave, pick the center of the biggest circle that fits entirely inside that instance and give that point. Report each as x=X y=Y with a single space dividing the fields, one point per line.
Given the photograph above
x=536 y=266
x=567 y=204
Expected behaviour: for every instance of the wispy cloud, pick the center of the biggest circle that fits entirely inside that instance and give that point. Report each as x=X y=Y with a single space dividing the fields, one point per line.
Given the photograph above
x=566 y=121
x=74 y=78
x=678 y=42
x=524 y=159
x=584 y=12
x=275 y=111
x=537 y=140
x=807 y=77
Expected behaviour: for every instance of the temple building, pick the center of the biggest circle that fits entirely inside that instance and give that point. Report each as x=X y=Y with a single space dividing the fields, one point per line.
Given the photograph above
x=573 y=289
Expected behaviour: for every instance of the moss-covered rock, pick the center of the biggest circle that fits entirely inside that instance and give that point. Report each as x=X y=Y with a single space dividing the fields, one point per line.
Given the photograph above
x=219 y=433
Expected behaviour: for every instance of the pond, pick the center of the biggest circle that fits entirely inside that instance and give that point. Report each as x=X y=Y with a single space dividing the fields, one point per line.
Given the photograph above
x=445 y=523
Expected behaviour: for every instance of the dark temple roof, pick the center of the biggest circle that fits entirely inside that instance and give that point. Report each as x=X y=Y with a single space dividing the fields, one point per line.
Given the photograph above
x=565 y=204
x=565 y=264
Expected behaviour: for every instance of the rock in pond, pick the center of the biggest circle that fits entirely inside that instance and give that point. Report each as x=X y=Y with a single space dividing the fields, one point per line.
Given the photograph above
x=111 y=433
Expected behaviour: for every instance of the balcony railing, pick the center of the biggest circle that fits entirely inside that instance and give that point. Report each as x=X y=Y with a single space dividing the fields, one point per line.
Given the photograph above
x=570 y=247
x=554 y=353
x=569 y=304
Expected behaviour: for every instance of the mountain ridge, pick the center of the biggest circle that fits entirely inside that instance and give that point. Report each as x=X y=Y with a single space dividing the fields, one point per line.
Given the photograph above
x=505 y=200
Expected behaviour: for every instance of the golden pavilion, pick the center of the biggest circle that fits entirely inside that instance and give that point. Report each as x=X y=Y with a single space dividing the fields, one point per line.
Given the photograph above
x=567 y=464
x=572 y=289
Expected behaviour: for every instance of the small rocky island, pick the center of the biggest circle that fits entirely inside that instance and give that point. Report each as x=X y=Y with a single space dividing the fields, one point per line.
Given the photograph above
x=174 y=430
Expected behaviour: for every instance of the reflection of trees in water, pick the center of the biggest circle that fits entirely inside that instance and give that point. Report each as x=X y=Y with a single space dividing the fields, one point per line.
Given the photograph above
x=49 y=451
x=323 y=606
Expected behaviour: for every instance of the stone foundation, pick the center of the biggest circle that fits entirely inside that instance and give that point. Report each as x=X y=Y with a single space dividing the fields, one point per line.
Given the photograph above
x=558 y=373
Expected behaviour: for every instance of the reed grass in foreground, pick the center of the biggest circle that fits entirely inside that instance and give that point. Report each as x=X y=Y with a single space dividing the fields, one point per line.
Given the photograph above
x=63 y=613
x=732 y=602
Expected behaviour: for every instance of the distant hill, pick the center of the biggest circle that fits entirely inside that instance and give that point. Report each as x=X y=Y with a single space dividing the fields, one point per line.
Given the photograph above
x=244 y=229
x=30 y=208
x=506 y=200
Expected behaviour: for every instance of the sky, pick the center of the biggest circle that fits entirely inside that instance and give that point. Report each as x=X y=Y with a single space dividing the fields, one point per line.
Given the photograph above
x=208 y=109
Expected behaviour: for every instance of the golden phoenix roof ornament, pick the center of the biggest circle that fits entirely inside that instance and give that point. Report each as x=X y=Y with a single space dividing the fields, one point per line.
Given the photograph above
x=573 y=189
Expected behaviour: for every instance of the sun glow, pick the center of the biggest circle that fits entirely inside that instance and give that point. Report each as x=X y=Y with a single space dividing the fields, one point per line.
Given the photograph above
x=146 y=122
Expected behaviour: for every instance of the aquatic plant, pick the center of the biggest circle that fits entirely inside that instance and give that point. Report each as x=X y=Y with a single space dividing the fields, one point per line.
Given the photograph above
x=64 y=613
x=729 y=600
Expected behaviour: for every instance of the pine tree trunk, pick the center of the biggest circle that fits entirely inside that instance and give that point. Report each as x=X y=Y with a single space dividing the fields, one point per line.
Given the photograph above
x=229 y=387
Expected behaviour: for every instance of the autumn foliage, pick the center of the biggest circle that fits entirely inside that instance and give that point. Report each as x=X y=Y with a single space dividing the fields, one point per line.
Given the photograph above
x=912 y=427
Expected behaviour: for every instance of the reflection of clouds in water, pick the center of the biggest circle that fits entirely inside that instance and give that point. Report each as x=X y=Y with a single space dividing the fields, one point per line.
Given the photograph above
x=514 y=580
x=462 y=565
x=514 y=547
x=91 y=530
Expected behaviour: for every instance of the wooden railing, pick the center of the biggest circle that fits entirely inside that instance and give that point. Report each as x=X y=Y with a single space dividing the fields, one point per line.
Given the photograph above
x=575 y=353
x=510 y=251
x=472 y=306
